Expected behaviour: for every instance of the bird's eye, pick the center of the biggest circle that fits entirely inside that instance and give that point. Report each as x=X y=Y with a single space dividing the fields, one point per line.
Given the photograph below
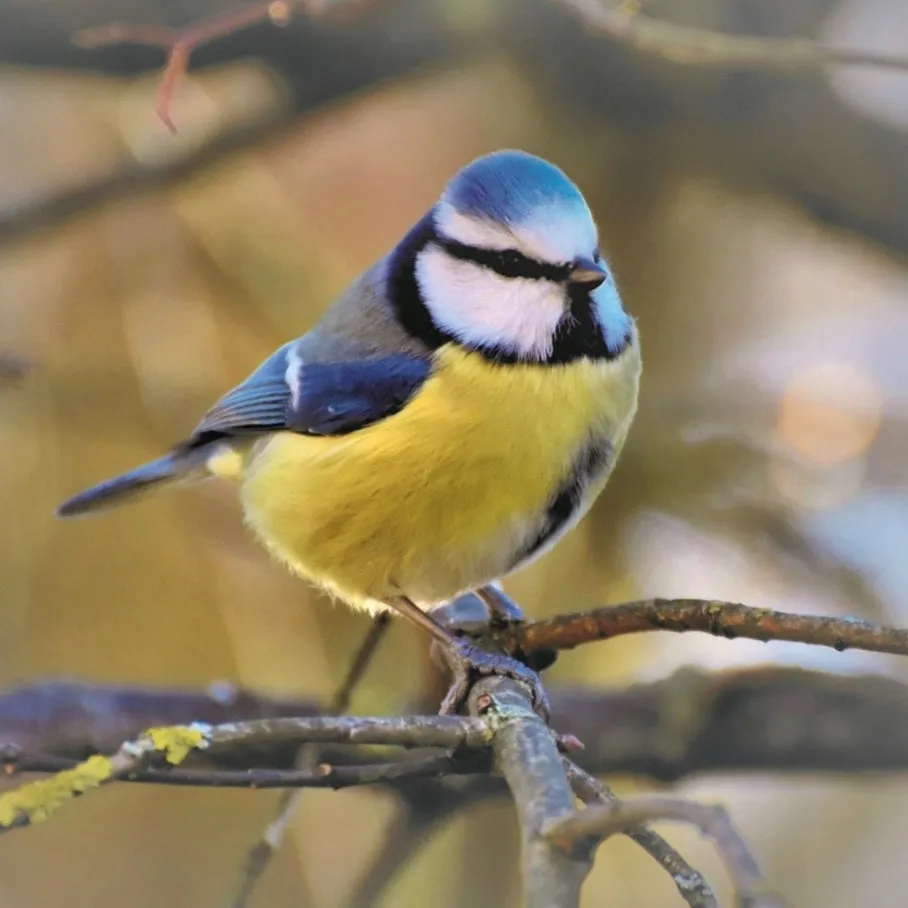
x=510 y=262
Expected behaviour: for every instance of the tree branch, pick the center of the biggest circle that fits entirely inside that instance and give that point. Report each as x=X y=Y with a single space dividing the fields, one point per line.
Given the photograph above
x=600 y=822
x=689 y=722
x=690 y=883
x=74 y=719
x=678 y=43
x=766 y=719
x=12 y=368
x=181 y=42
x=404 y=731
x=526 y=754
x=36 y=801
x=703 y=47
x=721 y=619
x=324 y=775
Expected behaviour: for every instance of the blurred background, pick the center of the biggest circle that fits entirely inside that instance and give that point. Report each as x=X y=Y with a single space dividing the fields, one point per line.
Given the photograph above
x=757 y=221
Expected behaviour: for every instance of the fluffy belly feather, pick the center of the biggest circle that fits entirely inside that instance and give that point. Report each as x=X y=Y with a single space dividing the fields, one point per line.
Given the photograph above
x=457 y=489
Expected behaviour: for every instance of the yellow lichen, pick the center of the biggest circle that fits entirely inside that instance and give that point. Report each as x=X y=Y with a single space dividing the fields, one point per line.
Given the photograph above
x=176 y=741
x=36 y=801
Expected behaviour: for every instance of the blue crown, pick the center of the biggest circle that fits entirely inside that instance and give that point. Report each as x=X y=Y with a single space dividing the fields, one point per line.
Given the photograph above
x=513 y=187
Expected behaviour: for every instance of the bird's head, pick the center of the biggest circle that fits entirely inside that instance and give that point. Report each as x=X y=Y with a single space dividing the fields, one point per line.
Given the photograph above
x=509 y=264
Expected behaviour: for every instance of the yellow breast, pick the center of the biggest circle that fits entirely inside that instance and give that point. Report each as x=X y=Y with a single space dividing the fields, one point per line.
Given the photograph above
x=437 y=498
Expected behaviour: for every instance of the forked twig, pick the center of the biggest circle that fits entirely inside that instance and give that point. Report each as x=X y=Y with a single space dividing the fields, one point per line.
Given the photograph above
x=181 y=42
x=600 y=822
x=690 y=883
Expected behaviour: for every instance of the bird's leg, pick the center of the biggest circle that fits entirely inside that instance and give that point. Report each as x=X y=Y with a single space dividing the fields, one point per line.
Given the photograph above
x=503 y=610
x=505 y=613
x=467 y=661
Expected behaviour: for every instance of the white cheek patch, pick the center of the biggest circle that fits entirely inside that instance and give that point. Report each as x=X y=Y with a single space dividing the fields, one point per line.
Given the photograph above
x=478 y=306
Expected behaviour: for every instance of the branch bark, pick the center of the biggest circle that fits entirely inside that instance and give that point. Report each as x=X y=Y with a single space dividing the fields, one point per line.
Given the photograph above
x=721 y=619
x=171 y=745
x=600 y=822
x=525 y=753
x=766 y=719
x=690 y=883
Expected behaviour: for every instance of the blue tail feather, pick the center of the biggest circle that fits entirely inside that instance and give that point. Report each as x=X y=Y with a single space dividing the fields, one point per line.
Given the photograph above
x=173 y=466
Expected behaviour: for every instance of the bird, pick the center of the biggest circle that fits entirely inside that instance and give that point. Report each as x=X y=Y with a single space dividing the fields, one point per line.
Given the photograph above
x=455 y=412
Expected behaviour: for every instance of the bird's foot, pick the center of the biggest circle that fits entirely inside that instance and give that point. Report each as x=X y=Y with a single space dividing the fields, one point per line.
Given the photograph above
x=469 y=662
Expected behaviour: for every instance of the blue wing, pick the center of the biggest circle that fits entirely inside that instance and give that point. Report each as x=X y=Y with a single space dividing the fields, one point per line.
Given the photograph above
x=282 y=394
x=285 y=393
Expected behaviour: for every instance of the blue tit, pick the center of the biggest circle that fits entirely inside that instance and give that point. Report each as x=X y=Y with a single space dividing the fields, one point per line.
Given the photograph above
x=455 y=412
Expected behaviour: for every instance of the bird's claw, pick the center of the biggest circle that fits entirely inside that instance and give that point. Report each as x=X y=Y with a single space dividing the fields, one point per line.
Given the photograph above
x=468 y=662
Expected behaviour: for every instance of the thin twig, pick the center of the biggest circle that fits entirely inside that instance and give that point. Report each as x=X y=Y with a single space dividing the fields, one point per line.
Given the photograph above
x=722 y=619
x=691 y=884
x=180 y=43
x=606 y=820
x=259 y=855
x=702 y=47
x=425 y=804
x=324 y=775
x=340 y=702
x=681 y=44
x=37 y=800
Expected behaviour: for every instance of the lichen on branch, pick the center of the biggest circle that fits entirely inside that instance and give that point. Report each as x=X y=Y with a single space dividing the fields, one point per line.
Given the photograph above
x=37 y=801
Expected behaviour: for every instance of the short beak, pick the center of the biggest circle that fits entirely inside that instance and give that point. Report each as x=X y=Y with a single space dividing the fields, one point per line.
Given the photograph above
x=586 y=271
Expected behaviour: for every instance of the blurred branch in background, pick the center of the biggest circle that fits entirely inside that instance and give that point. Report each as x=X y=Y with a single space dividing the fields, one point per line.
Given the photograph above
x=634 y=66
x=703 y=47
x=12 y=368
x=681 y=45
x=181 y=42
x=692 y=722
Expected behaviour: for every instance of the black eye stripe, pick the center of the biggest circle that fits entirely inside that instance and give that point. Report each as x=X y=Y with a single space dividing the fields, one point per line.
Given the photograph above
x=507 y=262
